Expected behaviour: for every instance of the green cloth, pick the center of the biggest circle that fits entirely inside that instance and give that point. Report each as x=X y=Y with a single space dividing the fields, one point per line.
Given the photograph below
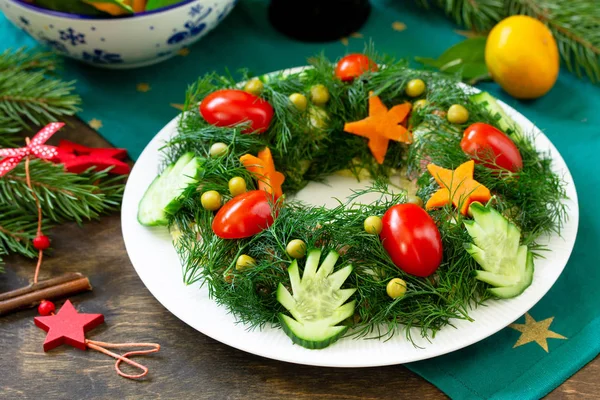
x=568 y=115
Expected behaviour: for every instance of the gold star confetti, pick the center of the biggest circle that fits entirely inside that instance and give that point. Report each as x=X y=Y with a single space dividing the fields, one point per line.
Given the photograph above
x=535 y=331
x=356 y=35
x=95 y=123
x=178 y=106
x=344 y=41
x=143 y=87
x=398 y=26
x=183 y=52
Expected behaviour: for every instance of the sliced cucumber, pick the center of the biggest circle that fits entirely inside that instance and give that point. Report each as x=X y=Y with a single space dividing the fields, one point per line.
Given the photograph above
x=163 y=195
x=505 y=264
x=317 y=304
x=518 y=288
x=506 y=123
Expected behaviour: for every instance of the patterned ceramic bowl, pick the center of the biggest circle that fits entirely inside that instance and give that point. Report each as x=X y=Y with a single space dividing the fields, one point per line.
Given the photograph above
x=128 y=42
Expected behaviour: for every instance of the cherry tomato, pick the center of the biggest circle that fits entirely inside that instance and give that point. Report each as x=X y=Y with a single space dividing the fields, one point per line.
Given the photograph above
x=485 y=142
x=229 y=107
x=243 y=216
x=354 y=65
x=412 y=239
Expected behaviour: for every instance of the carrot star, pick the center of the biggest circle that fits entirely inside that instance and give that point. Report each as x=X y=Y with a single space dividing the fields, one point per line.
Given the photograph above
x=263 y=169
x=458 y=187
x=381 y=126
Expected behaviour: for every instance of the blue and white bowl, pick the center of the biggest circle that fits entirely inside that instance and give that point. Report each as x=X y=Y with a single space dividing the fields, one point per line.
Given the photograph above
x=126 y=42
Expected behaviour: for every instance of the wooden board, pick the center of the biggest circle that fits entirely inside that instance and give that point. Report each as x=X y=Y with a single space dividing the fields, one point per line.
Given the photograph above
x=189 y=365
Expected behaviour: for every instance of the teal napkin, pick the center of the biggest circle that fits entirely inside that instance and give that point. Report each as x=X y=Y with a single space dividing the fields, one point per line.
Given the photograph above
x=558 y=336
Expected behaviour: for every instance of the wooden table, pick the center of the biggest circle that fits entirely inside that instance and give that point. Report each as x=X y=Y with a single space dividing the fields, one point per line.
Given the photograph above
x=189 y=364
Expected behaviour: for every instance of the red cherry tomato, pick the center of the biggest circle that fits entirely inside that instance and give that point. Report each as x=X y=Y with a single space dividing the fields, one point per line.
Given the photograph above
x=229 y=107
x=243 y=216
x=354 y=65
x=485 y=142
x=412 y=239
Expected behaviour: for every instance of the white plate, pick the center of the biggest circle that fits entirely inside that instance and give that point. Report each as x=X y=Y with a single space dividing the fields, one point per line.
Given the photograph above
x=156 y=262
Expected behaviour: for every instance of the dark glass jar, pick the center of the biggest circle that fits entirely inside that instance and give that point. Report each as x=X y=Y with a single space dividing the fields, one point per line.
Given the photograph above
x=318 y=20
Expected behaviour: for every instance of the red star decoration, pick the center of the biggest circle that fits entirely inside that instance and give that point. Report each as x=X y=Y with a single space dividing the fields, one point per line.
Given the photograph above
x=67 y=327
x=77 y=158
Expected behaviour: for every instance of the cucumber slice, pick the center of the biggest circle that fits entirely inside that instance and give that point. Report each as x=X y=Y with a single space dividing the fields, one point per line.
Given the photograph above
x=317 y=304
x=518 y=288
x=163 y=195
x=506 y=265
x=505 y=122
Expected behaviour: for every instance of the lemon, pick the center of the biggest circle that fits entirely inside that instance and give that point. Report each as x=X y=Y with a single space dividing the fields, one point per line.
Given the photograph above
x=522 y=57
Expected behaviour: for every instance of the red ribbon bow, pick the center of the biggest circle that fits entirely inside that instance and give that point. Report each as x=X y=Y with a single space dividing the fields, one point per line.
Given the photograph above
x=36 y=147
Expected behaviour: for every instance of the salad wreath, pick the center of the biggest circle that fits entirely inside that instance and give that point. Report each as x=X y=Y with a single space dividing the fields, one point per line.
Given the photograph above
x=461 y=229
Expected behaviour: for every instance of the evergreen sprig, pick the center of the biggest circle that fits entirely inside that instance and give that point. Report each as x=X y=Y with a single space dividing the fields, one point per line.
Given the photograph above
x=479 y=15
x=30 y=93
x=63 y=196
x=532 y=199
x=574 y=24
x=17 y=230
x=27 y=60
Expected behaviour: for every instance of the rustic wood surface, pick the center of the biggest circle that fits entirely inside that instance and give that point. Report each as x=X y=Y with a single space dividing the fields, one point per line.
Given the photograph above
x=189 y=364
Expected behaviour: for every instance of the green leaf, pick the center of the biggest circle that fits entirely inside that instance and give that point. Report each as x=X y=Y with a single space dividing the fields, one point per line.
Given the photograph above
x=466 y=58
x=155 y=4
x=70 y=6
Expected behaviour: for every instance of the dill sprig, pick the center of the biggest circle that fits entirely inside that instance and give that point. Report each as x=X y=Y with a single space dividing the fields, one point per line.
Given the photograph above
x=304 y=153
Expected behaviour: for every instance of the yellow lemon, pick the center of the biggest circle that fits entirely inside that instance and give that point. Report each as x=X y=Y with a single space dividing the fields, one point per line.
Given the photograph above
x=522 y=57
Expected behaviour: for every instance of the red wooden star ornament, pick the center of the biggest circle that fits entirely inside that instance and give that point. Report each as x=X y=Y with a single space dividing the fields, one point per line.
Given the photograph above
x=77 y=158
x=67 y=327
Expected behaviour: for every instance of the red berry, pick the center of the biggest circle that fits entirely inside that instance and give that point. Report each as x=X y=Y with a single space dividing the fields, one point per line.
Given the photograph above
x=41 y=242
x=46 y=307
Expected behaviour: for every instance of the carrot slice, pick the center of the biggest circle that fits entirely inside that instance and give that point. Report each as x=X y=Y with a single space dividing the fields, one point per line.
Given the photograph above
x=263 y=169
x=457 y=187
x=139 y=5
x=438 y=199
x=381 y=126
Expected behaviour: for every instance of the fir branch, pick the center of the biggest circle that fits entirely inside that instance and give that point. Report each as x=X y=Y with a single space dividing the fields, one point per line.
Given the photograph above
x=17 y=230
x=9 y=129
x=30 y=94
x=31 y=97
x=27 y=60
x=63 y=196
x=576 y=27
x=479 y=15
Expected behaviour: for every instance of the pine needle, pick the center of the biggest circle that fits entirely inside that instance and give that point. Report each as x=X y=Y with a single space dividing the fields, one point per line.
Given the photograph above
x=30 y=93
x=63 y=196
x=17 y=230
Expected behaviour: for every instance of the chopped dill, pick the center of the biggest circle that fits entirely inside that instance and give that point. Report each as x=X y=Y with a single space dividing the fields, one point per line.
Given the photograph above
x=532 y=198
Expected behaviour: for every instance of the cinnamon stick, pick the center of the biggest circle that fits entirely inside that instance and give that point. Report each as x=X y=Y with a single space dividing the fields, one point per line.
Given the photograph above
x=32 y=295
